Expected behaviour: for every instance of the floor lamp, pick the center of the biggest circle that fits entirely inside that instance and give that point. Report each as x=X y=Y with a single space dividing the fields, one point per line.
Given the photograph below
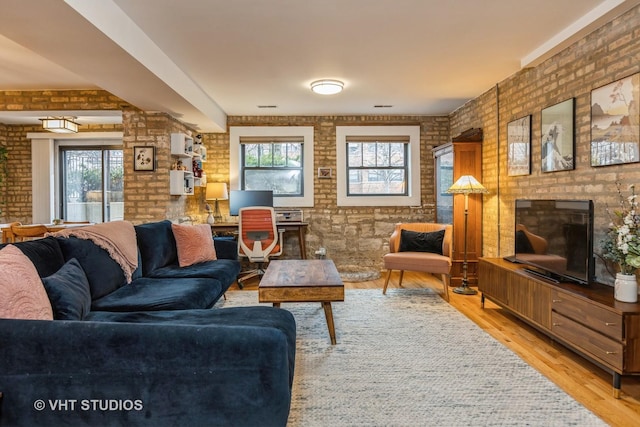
x=216 y=191
x=466 y=185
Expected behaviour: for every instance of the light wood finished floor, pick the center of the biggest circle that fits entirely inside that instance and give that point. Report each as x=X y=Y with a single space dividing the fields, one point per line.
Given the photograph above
x=583 y=380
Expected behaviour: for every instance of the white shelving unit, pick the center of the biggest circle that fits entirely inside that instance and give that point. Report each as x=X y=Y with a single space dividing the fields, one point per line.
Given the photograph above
x=181 y=145
x=182 y=182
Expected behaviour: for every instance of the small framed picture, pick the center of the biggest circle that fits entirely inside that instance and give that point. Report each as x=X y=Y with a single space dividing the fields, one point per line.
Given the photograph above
x=324 y=172
x=144 y=159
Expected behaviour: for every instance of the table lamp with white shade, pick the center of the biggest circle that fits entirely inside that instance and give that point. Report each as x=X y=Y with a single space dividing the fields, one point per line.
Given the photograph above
x=215 y=191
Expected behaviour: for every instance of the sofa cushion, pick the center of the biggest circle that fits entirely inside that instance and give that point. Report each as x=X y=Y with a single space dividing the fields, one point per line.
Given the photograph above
x=103 y=273
x=416 y=241
x=22 y=295
x=69 y=292
x=157 y=245
x=194 y=243
x=226 y=247
x=224 y=270
x=44 y=253
x=257 y=316
x=146 y=294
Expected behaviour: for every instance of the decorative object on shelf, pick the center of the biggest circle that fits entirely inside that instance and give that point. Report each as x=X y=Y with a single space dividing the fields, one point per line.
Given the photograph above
x=324 y=173
x=622 y=242
x=626 y=287
x=197 y=167
x=327 y=87
x=144 y=158
x=60 y=124
x=216 y=191
x=466 y=185
x=519 y=146
x=615 y=132
x=558 y=137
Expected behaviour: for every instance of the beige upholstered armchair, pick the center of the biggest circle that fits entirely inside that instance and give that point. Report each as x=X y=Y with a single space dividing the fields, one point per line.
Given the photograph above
x=413 y=260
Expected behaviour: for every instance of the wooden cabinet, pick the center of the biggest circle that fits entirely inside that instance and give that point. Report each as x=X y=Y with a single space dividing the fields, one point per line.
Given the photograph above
x=462 y=156
x=586 y=319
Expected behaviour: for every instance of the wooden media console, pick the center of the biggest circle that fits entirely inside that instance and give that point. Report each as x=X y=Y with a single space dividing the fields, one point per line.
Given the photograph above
x=586 y=319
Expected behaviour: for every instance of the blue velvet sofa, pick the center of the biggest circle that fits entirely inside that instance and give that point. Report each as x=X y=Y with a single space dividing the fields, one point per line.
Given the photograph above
x=151 y=352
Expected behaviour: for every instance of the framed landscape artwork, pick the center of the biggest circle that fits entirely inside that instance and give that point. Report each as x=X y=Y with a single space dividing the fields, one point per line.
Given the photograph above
x=519 y=146
x=615 y=131
x=558 y=137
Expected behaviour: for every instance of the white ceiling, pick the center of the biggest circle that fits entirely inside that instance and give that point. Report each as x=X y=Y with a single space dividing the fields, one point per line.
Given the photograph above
x=201 y=60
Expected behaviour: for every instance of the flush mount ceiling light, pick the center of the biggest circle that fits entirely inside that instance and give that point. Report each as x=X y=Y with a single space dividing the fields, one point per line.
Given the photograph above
x=327 y=87
x=60 y=124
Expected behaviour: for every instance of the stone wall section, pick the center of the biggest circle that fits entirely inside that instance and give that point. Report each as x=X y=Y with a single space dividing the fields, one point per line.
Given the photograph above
x=354 y=237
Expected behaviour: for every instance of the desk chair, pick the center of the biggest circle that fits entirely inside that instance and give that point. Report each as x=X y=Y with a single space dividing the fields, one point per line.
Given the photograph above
x=27 y=232
x=258 y=238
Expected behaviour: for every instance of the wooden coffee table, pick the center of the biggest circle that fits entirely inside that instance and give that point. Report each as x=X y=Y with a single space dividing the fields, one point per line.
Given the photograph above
x=303 y=280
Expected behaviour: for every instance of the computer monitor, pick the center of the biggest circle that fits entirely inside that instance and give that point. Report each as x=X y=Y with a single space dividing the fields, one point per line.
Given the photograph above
x=245 y=198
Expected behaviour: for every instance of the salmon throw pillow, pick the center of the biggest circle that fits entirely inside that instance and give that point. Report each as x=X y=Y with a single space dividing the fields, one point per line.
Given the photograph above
x=194 y=243
x=22 y=294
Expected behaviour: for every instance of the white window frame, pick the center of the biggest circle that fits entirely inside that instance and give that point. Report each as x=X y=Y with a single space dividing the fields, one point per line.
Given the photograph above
x=306 y=132
x=414 y=196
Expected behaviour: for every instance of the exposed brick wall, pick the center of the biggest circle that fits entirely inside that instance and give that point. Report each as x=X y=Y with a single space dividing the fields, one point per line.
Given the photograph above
x=146 y=193
x=608 y=54
x=358 y=235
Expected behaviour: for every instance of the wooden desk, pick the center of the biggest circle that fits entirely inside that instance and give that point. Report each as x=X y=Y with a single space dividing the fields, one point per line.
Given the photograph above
x=7 y=235
x=299 y=227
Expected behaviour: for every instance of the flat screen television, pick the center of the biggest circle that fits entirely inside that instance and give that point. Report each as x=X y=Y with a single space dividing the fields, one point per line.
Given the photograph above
x=245 y=198
x=555 y=238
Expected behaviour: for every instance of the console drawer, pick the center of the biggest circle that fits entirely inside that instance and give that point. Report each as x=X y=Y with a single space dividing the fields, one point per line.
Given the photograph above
x=588 y=340
x=602 y=320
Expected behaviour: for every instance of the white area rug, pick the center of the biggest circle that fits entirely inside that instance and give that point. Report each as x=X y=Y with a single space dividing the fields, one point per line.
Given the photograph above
x=410 y=359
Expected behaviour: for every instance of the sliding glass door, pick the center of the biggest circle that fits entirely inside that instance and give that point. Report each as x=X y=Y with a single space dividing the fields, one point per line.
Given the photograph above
x=91 y=183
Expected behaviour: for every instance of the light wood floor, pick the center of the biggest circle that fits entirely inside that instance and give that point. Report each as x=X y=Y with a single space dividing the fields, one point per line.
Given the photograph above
x=586 y=382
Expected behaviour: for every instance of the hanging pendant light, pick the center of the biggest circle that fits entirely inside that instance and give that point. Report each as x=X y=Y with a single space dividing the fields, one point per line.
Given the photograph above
x=60 y=124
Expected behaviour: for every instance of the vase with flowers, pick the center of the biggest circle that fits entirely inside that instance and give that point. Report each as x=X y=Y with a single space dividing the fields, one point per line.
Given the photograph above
x=622 y=245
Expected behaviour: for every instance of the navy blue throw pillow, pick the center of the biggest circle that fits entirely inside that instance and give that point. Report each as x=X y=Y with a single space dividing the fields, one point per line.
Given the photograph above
x=68 y=291
x=103 y=273
x=45 y=254
x=416 y=241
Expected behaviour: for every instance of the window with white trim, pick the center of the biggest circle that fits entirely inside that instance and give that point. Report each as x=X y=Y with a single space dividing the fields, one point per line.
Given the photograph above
x=270 y=163
x=278 y=158
x=378 y=165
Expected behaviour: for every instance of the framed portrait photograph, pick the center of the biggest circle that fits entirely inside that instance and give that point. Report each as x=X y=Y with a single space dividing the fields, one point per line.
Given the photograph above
x=558 y=136
x=519 y=146
x=615 y=133
x=144 y=159
x=324 y=173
